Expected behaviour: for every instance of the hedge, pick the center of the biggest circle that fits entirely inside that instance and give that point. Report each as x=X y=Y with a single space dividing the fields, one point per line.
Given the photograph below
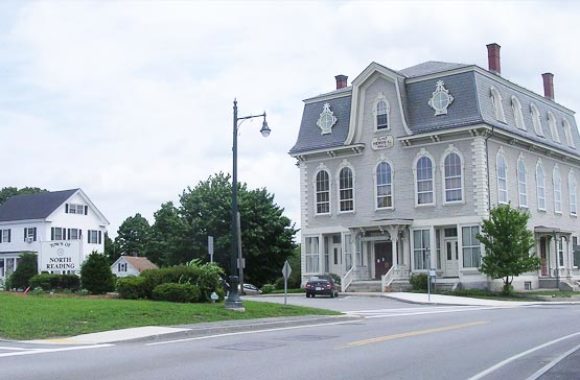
x=47 y=282
x=176 y=292
x=131 y=287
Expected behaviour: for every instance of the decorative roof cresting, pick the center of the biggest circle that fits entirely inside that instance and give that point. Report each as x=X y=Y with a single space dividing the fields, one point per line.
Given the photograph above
x=326 y=120
x=441 y=99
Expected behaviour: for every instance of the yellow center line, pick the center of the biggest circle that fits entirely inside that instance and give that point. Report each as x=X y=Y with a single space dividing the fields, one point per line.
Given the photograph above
x=381 y=339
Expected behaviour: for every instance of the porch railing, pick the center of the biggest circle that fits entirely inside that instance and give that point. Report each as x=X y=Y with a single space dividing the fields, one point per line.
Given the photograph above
x=388 y=278
x=346 y=280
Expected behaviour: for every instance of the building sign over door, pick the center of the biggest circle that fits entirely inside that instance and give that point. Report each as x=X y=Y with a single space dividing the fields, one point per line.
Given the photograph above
x=58 y=256
x=383 y=142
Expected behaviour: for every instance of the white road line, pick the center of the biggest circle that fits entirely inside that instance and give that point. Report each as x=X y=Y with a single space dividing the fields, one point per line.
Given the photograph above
x=550 y=365
x=408 y=309
x=49 y=350
x=388 y=314
x=522 y=354
x=245 y=333
x=15 y=348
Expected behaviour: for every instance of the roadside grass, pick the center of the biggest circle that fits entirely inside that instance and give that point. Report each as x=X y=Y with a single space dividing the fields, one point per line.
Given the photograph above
x=281 y=291
x=542 y=295
x=45 y=316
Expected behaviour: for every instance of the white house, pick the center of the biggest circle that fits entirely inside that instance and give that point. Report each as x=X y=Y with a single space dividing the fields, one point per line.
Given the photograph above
x=131 y=266
x=61 y=227
x=399 y=169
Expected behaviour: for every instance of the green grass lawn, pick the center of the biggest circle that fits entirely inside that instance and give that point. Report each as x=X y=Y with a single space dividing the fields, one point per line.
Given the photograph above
x=44 y=316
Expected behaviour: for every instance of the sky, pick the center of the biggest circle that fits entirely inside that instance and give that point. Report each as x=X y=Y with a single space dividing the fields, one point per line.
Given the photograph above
x=132 y=100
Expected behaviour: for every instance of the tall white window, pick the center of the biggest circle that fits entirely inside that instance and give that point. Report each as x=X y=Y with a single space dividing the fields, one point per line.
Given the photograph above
x=572 y=190
x=541 y=186
x=502 y=184
x=568 y=133
x=421 y=249
x=471 y=247
x=424 y=174
x=557 y=190
x=553 y=127
x=453 y=180
x=382 y=115
x=496 y=102
x=322 y=192
x=346 y=190
x=561 y=244
x=517 y=111
x=536 y=120
x=384 y=185
x=522 y=184
x=312 y=254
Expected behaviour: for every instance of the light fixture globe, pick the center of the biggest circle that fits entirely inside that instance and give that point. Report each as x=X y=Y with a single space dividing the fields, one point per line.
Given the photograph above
x=265 y=131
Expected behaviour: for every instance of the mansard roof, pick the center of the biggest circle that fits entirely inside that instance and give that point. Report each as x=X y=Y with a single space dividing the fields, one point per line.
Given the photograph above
x=470 y=86
x=33 y=206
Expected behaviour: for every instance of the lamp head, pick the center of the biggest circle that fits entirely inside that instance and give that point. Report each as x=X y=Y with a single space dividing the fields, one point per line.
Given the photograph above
x=265 y=130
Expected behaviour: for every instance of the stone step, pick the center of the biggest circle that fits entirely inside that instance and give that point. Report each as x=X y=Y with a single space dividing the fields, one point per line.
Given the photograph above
x=364 y=286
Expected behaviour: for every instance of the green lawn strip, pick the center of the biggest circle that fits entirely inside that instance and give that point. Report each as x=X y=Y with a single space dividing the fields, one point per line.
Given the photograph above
x=543 y=295
x=35 y=317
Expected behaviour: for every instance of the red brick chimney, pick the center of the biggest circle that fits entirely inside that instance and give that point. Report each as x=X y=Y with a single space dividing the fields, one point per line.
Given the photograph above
x=340 y=81
x=548 y=85
x=493 y=58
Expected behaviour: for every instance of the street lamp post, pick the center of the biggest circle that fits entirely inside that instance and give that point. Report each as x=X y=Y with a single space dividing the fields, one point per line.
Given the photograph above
x=233 y=301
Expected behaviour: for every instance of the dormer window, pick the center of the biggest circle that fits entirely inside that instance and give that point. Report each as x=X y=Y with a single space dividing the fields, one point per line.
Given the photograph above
x=553 y=127
x=536 y=120
x=497 y=105
x=381 y=113
x=568 y=133
x=517 y=111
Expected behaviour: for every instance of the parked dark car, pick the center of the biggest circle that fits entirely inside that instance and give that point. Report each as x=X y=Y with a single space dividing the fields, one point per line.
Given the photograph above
x=322 y=284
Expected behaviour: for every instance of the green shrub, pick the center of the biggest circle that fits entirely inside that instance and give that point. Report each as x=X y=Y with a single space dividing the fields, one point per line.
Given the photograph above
x=27 y=267
x=131 y=287
x=268 y=288
x=209 y=280
x=48 y=281
x=279 y=283
x=37 y=291
x=419 y=281
x=70 y=281
x=96 y=275
x=176 y=292
x=336 y=278
x=179 y=274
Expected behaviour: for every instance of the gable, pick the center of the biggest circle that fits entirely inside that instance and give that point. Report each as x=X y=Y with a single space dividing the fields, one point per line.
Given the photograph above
x=33 y=206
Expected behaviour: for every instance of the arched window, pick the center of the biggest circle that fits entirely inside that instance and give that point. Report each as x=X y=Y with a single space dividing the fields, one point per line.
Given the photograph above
x=522 y=183
x=572 y=190
x=424 y=181
x=496 y=101
x=536 y=120
x=382 y=113
x=322 y=192
x=384 y=185
x=517 y=111
x=453 y=178
x=557 y=190
x=568 y=133
x=553 y=127
x=346 y=190
x=541 y=186
x=502 y=178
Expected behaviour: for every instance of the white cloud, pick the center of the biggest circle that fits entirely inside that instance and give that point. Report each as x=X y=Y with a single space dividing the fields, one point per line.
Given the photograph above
x=132 y=100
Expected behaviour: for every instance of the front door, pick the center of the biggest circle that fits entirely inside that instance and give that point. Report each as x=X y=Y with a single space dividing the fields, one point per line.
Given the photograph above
x=383 y=258
x=543 y=257
x=451 y=258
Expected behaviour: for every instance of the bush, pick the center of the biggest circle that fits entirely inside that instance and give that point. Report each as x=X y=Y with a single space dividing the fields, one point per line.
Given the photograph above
x=131 y=287
x=279 y=283
x=419 y=282
x=96 y=275
x=176 y=292
x=209 y=280
x=27 y=267
x=48 y=281
x=336 y=278
x=268 y=288
x=179 y=274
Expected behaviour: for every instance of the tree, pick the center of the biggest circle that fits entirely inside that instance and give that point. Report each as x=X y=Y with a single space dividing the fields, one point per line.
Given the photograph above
x=7 y=192
x=26 y=269
x=169 y=244
x=112 y=251
x=133 y=235
x=508 y=243
x=96 y=274
x=267 y=235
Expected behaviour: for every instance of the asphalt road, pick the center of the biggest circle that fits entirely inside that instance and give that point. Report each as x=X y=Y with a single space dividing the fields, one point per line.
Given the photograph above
x=393 y=341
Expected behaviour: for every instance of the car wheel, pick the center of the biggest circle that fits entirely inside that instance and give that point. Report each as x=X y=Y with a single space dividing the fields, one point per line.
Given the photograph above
x=313 y=295
x=307 y=295
x=331 y=295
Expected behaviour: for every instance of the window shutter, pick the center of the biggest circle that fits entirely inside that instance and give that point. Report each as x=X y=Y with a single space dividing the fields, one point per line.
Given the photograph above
x=34 y=234
x=66 y=208
x=0 y=236
x=51 y=233
x=100 y=237
x=9 y=236
x=89 y=236
x=68 y=233
x=25 y=233
x=86 y=210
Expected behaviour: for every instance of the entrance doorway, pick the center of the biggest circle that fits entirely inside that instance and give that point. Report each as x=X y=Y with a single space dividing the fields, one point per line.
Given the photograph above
x=383 y=258
x=451 y=258
x=543 y=257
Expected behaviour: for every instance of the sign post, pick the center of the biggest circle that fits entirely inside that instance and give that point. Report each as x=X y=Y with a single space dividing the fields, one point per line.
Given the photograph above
x=210 y=248
x=286 y=271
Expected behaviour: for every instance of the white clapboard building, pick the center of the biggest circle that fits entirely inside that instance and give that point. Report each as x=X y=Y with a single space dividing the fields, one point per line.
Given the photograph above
x=61 y=227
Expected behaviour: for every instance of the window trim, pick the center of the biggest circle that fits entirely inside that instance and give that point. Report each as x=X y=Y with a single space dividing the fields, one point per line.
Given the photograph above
x=339 y=189
x=501 y=156
x=521 y=161
x=568 y=133
x=464 y=246
x=316 y=192
x=518 y=115
x=391 y=184
x=557 y=180
x=572 y=193
x=307 y=253
x=381 y=98
x=536 y=120
x=553 y=127
x=447 y=153
x=496 y=101
x=423 y=249
x=424 y=154
x=540 y=166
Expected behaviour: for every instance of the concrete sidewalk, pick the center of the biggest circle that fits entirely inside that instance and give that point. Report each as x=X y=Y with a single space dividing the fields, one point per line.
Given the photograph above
x=440 y=299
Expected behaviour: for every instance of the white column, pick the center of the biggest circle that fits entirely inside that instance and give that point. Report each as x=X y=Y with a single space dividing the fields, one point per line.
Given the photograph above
x=320 y=253
x=433 y=247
